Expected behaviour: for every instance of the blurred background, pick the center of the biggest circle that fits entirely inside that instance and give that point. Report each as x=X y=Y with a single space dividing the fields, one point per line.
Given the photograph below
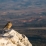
x=28 y=17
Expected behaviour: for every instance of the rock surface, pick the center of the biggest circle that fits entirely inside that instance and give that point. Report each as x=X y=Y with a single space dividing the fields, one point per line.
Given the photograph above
x=13 y=38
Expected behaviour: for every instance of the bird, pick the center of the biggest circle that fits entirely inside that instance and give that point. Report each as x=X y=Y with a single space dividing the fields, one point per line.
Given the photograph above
x=8 y=25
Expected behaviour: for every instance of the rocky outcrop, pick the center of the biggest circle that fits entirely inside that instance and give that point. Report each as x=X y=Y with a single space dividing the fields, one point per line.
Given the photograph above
x=13 y=38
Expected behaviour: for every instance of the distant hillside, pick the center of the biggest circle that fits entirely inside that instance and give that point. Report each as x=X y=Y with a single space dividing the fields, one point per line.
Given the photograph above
x=21 y=4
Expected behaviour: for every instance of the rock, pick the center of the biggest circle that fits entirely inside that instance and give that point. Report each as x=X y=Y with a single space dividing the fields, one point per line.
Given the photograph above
x=13 y=38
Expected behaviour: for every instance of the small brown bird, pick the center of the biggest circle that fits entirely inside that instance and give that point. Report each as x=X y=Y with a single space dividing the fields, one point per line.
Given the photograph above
x=8 y=25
